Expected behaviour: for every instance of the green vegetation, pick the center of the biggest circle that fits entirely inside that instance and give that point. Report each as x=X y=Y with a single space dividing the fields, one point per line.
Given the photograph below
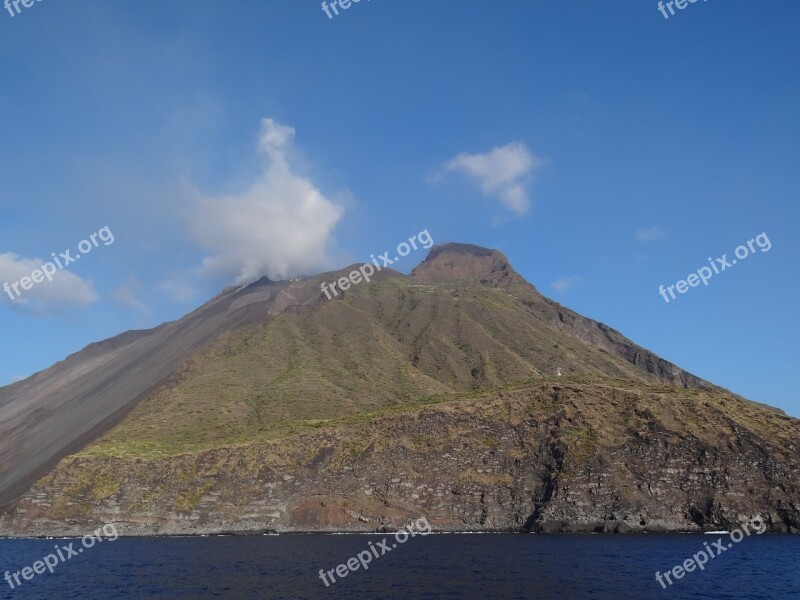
x=394 y=346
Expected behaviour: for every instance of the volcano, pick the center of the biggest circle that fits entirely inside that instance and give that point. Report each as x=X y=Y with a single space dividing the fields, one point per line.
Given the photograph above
x=458 y=392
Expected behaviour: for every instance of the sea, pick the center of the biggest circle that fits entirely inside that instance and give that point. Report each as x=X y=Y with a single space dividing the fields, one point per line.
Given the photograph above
x=458 y=566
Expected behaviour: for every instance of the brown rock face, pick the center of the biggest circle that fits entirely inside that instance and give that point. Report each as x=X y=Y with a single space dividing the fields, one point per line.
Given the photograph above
x=551 y=458
x=465 y=262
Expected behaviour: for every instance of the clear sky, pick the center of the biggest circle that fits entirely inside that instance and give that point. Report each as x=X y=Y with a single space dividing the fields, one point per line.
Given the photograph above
x=605 y=149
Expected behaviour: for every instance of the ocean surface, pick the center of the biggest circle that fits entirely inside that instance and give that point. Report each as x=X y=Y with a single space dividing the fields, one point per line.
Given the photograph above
x=434 y=566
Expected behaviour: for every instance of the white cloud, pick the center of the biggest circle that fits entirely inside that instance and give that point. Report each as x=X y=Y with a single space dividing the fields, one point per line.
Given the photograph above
x=503 y=173
x=562 y=284
x=649 y=234
x=65 y=291
x=279 y=227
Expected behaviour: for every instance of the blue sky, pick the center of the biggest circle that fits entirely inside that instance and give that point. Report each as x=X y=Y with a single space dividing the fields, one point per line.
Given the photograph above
x=606 y=150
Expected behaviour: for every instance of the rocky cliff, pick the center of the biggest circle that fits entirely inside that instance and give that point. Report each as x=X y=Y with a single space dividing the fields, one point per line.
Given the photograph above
x=552 y=457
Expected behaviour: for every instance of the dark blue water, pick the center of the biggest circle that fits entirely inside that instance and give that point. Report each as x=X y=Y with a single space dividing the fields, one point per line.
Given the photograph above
x=434 y=566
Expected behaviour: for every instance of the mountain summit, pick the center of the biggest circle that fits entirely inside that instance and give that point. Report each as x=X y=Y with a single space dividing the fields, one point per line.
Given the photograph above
x=458 y=392
x=465 y=262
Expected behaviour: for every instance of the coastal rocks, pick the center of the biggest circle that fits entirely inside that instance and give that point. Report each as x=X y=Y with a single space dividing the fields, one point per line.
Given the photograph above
x=545 y=459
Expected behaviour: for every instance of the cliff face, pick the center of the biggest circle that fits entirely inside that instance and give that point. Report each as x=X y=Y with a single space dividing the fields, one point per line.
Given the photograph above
x=465 y=262
x=271 y=408
x=541 y=458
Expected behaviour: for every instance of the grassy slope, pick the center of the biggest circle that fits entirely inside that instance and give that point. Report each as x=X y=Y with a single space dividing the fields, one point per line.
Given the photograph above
x=389 y=345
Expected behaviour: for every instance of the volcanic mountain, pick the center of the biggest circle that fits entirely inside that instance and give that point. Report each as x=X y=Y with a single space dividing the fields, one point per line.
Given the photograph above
x=272 y=408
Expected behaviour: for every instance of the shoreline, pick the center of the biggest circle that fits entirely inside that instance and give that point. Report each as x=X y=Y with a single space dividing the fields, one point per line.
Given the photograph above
x=384 y=533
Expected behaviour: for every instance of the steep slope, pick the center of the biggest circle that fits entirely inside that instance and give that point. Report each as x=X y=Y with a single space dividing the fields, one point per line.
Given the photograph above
x=467 y=263
x=59 y=410
x=245 y=378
